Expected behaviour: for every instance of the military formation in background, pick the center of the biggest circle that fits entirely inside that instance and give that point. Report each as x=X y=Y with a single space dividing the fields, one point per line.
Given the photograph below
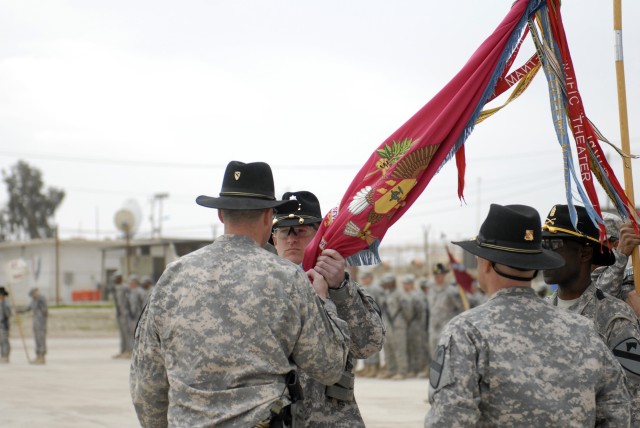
x=414 y=310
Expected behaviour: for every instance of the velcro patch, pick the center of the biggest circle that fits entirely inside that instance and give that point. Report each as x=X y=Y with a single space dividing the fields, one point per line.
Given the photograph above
x=627 y=353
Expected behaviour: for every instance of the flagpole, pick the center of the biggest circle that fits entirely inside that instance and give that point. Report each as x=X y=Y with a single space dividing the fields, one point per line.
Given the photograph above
x=624 y=127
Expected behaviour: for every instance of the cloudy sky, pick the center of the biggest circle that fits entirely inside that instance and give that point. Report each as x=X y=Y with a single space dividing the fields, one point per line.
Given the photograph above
x=123 y=100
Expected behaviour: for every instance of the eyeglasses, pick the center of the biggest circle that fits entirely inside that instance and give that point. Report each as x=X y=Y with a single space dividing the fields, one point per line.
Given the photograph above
x=299 y=231
x=553 y=244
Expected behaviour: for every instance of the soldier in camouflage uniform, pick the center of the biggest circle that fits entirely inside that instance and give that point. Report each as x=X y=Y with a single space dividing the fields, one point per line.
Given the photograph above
x=334 y=405
x=40 y=311
x=226 y=324
x=137 y=299
x=444 y=304
x=121 y=300
x=613 y=319
x=146 y=284
x=5 y=315
x=623 y=239
x=397 y=312
x=424 y=287
x=372 y=289
x=515 y=360
x=415 y=327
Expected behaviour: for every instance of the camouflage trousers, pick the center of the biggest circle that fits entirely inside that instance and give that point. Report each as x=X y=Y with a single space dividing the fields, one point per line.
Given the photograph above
x=40 y=336
x=5 y=346
x=395 y=350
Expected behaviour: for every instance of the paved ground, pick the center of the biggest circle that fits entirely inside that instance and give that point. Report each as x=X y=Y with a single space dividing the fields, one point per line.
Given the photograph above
x=81 y=386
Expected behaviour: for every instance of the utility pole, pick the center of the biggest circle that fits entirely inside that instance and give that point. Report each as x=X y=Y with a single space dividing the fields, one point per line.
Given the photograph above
x=156 y=230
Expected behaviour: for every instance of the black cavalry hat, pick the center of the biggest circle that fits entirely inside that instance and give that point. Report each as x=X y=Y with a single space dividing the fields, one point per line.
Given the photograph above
x=511 y=235
x=246 y=186
x=439 y=268
x=306 y=211
x=558 y=225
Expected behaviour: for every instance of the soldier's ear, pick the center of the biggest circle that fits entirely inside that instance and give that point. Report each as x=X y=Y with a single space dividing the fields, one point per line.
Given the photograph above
x=587 y=253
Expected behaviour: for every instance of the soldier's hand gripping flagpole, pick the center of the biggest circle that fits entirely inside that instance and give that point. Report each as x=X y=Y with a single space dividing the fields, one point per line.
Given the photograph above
x=624 y=127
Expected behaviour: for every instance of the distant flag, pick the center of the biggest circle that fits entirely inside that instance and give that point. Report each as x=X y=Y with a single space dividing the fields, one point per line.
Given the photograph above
x=463 y=278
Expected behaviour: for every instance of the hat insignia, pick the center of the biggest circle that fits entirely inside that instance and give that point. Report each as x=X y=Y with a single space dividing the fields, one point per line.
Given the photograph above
x=528 y=235
x=236 y=175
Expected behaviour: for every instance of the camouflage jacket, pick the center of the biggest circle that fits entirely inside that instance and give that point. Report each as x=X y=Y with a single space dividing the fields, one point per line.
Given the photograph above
x=223 y=327
x=610 y=278
x=40 y=310
x=366 y=331
x=397 y=309
x=444 y=304
x=617 y=325
x=518 y=361
x=5 y=314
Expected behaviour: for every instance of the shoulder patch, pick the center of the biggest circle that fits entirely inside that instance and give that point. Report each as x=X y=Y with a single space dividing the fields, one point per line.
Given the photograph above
x=437 y=367
x=627 y=353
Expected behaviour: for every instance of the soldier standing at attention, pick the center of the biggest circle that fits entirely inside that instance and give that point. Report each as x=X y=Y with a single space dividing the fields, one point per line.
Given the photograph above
x=372 y=289
x=516 y=360
x=121 y=300
x=397 y=312
x=228 y=324
x=416 y=326
x=137 y=299
x=444 y=304
x=40 y=311
x=146 y=284
x=612 y=318
x=5 y=315
x=331 y=406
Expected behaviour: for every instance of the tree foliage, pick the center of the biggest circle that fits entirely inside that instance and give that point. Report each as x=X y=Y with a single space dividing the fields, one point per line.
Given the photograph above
x=29 y=212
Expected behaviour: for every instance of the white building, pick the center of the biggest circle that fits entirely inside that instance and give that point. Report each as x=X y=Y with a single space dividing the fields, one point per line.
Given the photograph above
x=63 y=270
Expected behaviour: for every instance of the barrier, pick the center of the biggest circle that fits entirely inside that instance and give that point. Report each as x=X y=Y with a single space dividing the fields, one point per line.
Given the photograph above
x=86 y=296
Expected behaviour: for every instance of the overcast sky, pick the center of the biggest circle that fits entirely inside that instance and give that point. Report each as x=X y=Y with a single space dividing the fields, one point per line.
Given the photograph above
x=117 y=100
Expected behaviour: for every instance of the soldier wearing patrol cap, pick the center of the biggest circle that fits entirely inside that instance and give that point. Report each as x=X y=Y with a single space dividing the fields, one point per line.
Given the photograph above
x=613 y=319
x=397 y=312
x=371 y=365
x=623 y=239
x=444 y=304
x=516 y=360
x=416 y=326
x=333 y=405
x=227 y=325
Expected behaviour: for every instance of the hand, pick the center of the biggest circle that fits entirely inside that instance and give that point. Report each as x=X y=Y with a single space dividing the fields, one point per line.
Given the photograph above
x=633 y=299
x=628 y=239
x=331 y=265
x=319 y=283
